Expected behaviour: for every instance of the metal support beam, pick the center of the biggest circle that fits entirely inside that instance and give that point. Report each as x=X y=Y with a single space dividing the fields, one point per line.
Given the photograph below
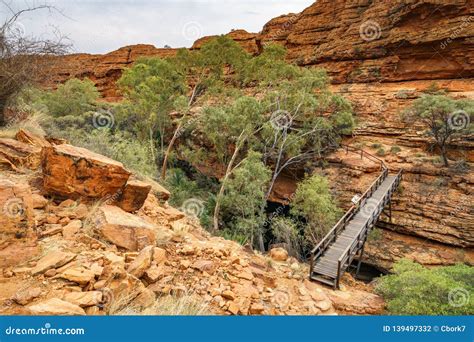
x=360 y=260
x=390 y=209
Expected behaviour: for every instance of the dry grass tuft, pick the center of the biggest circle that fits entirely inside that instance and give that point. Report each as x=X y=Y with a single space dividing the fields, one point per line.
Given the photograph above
x=32 y=124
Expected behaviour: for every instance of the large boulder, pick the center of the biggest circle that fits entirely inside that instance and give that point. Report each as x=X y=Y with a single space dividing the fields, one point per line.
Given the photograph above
x=123 y=229
x=75 y=172
x=20 y=154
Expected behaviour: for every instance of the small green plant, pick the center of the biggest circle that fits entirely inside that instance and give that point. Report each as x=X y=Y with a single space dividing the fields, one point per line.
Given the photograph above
x=228 y=234
x=395 y=149
x=376 y=145
x=440 y=181
x=417 y=290
x=381 y=152
x=182 y=188
x=375 y=235
x=375 y=72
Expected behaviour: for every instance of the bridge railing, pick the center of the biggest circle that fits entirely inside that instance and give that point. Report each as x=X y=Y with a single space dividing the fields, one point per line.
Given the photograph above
x=341 y=224
x=348 y=255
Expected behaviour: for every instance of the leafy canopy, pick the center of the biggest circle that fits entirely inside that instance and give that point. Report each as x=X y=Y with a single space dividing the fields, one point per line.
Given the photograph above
x=74 y=97
x=445 y=118
x=417 y=290
x=314 y=202
x=153 y=88
x=245 y=196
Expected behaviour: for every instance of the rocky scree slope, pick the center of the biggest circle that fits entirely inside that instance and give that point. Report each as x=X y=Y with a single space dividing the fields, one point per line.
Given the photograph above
x=80 y=235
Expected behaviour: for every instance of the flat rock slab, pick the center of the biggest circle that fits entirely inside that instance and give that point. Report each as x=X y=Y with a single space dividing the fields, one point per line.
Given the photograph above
x=124 y=229
x=84 y=299
x=20 y=154
x=76 y=172
x=56 y=306
x=52 y=260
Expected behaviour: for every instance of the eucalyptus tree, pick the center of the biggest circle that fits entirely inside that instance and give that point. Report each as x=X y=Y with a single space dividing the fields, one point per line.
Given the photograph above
x=444 y=118
x=207 y=71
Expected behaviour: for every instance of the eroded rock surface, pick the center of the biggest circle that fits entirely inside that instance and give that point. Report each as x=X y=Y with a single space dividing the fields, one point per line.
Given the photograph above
x=75 y=172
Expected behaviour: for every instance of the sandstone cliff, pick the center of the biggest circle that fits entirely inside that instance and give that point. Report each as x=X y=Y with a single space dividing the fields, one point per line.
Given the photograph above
x=381 y=55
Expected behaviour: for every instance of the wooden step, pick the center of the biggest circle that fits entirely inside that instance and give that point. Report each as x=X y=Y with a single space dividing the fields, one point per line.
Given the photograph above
x=330 y=282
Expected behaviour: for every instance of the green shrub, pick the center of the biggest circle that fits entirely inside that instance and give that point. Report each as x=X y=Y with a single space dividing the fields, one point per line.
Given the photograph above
x=376 y=145
x=375 y=234
x=181 y=187
x=395 y=149
x=313 y=201
x=74 y=97
x=380 y=152
x=230 y=234
x=417 y=290
x=286 y=231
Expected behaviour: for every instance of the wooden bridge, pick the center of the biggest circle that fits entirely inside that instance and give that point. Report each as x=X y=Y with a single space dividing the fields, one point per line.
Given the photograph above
x=346 y=240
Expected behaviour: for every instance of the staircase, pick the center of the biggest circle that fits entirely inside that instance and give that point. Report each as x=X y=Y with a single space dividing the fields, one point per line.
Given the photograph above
x=345 y=241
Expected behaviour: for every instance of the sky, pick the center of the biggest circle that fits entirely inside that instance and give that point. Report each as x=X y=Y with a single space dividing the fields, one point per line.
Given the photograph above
x=100 y=26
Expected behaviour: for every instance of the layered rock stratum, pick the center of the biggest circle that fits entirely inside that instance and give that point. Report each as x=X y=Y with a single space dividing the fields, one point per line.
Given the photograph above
x=382 y=55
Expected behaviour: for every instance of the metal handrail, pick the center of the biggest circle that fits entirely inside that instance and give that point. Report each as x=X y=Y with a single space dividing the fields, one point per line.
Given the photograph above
x=353 y=209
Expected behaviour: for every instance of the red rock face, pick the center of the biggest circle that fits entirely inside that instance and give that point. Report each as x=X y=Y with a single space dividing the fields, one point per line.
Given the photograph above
x=361 y=41
x=103 y=70
x=247 y=40
x=74 y=172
